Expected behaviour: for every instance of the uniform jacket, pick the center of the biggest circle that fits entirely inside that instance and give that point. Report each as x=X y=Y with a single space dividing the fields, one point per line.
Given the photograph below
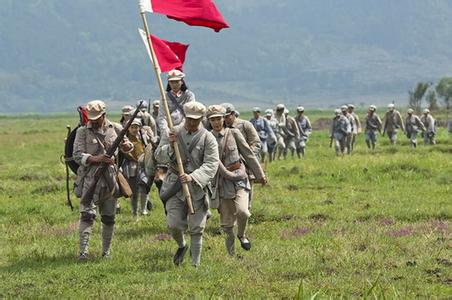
x=393 y=121
x=201 y=163
x=291 y=128
x=249 y=133
x=340 y=127
x=177 y=114
x=86 y=144
x=233 y=148
x=372 y=123
x=263 y=128
x=413 y=124
x=429 y=123
x=304 y=126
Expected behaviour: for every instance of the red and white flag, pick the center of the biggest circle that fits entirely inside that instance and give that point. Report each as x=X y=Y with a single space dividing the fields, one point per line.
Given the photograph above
x=192 y=12
x=170 y=55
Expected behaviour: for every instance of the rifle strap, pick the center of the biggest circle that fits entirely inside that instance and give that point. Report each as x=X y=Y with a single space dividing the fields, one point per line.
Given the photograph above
x=177 y=104
x=187 y=151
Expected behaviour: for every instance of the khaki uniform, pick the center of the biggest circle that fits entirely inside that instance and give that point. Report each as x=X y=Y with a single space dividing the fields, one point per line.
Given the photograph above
x=175 y=105
x=372 y=124
x=201 y=163
x=305 y=128
x=340 y=130
x=392 y=123
x=231 y=186
x=249 y=133
x=430 y=129
x=292 y=135
x=90 y=142
x=413 y=125
x=147 y=120
x=349 y=139
x=271 y=143
x=280 y=133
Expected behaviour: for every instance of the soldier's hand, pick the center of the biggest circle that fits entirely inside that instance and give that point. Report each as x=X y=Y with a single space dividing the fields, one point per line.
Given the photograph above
x=126 y=146
x=263 y=180
x=185 y=178
x=100 y=159
x=172 y=137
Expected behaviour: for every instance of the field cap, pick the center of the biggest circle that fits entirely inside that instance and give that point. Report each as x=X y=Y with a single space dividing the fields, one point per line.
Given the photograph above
x=229 y=108
x=269 y=112
x=391 y=105
x=426 y=111
x=300 y=108
x=372 y=108
x=215 y=111
x=337 y=111
x=127 y=110
x=137 y=121
x=156 y=103
x=286 y=111
x=410 y=111
x=175 y=75
x=256 y=109
x=344 y=108
x=280 y=106
x=144 y=105
x=351 y=106
x=96 y=109
x=194 y=110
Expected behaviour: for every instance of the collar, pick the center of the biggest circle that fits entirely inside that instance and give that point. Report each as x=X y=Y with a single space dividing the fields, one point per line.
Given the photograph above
x=178 y=94
x=107 y=123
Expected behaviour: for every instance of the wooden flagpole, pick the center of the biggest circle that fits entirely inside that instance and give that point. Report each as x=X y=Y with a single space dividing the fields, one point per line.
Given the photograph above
x=167 y=112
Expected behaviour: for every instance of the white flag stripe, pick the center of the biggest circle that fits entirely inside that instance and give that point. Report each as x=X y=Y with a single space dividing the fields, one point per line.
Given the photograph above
x=145 y=6
x=145 y=41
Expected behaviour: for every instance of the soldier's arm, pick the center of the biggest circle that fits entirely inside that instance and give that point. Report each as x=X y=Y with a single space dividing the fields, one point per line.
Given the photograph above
x=252 y=138
x=79 y=153
x=161 y=120
x=269 y=129
x=401 y=121
x=164 y=153
x=206 y=172
x=248 y=155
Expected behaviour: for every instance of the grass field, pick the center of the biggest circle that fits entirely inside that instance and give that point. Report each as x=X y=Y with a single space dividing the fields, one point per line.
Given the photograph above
x=373 y=225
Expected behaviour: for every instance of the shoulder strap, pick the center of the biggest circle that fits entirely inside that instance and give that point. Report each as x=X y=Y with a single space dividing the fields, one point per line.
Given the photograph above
x=174 y=101
x=224 y=143
x=187 y=151
x=98 y=138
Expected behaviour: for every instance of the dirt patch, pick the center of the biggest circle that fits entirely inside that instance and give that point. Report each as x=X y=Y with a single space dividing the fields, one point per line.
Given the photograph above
x=404 y=231
x=318 y=217
x=297 y=232
x=322 y=124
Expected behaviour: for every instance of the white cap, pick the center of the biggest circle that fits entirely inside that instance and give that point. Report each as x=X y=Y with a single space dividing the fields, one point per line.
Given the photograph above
x=194 y=110
x=337 y=111
x=300 y=108
x=410 y=111
x=269 y=112
x=344 y=108
x=372 y=108
x=391 y=105
x=426 y=111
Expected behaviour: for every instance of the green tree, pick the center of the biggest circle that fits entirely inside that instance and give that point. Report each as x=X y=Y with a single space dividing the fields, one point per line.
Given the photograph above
x=444 y=90
x=417 y=94
x=432 y=100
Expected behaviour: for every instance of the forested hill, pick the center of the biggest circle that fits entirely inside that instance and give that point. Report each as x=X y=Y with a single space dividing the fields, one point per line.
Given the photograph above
x=56 y=54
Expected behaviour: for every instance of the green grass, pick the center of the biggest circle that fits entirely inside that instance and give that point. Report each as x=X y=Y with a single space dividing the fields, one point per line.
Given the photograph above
x=377 y=224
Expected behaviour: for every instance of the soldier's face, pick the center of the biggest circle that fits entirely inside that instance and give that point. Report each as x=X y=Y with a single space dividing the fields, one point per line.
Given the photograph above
x=268 y=117
x=98 y=123
x=256 y=114
x=175 y=85
x=192 y=124
x=216 y=123
x=133 y=129
x=229 y=119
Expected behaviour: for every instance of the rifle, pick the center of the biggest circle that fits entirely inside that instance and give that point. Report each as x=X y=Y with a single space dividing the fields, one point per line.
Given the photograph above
x=68 y=193
x=88 y=195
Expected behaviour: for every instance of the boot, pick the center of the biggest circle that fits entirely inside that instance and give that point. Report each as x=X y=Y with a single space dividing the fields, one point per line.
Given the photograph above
x=85 y=229
x=195 y=249
x=107 y=235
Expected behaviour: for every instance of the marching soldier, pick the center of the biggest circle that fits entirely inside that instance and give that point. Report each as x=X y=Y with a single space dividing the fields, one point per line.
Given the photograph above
x=430 y=127
x=372 y=123
x=177 y=94
x=340 y=130
x=155 y=114
x=133 y=166
x=146 y=118
x=280 y=118
x=305 y=128
x=271 y=142
x=90 y=145
x=413 y=125
x=264 y=131
x=356 y=125
x=392 y=122
x=231 y=186
x=351 y=120
x=199 y=151
x=126 y=112
x=292 y=134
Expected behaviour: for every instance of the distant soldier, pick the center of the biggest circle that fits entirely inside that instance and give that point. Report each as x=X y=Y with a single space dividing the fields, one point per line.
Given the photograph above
x=231 y=187
x=90 y=146
x=199 y=151
x=356 y=125
x=146 y=118
x=133 y=166
x=305 y=129
x=126 y=112
x=372 y=123
x=340 y=129
x=155 y=114
x=280 y=118
x=391 y=123
x=413 y=125
x=271 y=142
x=177 y=95
x=351 y=120
x=264 y=131
x=430 y=127
x=292 y=134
